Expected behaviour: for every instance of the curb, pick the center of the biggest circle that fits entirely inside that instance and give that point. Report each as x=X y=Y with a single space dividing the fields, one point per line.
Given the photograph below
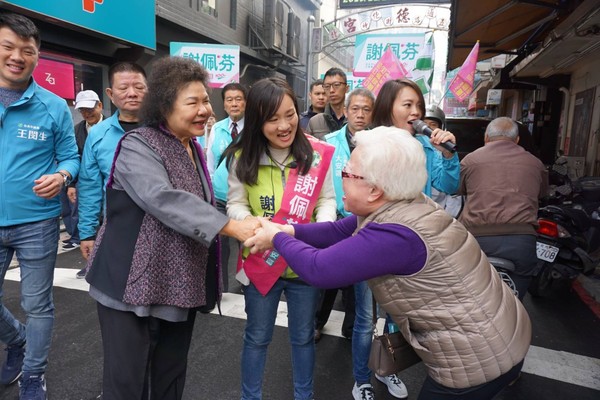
x=588 y=289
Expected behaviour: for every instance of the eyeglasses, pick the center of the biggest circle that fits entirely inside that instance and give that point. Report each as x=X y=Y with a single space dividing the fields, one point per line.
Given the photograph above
x=348 y=175
x=336 y=85
x=86 y=110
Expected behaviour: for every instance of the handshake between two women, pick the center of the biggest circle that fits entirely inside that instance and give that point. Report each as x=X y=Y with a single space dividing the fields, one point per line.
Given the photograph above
x=263 y=235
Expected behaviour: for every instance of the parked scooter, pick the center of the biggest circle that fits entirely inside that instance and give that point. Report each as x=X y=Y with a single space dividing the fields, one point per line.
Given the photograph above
x=504 y=267
x=567 y=234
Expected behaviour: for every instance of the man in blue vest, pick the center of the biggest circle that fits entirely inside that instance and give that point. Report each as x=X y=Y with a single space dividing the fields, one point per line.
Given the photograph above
x=224 y=131
x=38 y=159
x=127 y=89
x=222 y=135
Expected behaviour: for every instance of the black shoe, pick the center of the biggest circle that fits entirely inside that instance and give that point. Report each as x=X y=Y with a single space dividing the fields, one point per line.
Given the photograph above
x=81 y=273
x=32 y=387
x=11 y=369
x=70 y=246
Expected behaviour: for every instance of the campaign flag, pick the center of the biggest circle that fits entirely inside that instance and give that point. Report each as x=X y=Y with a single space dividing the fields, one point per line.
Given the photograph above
x=462 y=85
x=388 y=67
x=423 y=71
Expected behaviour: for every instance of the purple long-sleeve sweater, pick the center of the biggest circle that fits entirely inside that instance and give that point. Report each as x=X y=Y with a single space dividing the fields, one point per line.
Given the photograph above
x=326 y=255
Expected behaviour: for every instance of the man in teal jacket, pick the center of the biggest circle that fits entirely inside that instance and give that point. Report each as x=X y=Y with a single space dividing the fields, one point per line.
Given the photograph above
x=127 y=90
x=38 y=159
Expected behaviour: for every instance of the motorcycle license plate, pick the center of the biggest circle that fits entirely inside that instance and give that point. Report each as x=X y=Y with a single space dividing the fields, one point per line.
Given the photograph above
x=546 y=252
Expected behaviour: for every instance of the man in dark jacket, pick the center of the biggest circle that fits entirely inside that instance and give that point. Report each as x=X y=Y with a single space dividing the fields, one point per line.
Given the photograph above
x=332 y=118
x=89 y=105
x=318 y=100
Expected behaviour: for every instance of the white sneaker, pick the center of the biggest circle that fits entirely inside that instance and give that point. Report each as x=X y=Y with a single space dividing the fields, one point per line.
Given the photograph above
x=394 y=385
x=363 y=392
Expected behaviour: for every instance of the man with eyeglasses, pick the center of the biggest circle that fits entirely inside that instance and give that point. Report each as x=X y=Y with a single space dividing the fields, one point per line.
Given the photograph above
x=332 y=118
x=89 y=106
x=127 y=89
x=223 y=133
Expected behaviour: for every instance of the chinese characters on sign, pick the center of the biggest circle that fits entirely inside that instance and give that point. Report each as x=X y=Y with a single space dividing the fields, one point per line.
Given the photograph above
x=304 y=189
x=221 y=61
x=267 y=204
x=370 y=48
x=399 y=16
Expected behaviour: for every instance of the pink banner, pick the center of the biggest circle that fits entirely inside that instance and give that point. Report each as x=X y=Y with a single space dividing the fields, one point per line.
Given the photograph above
x=388 y=67
x=299 y=200
x=58 y=77
x=462 y=85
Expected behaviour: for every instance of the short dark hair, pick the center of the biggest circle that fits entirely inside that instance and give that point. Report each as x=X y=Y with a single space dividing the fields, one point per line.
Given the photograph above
x=318 y=82
x=384 y=104
x=234 y=86
x=169 y=76
x=335 y=71
x=124 y=66
x=22 y=26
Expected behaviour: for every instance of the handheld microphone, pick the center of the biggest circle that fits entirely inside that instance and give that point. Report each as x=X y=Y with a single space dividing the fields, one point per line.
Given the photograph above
x=422 y=128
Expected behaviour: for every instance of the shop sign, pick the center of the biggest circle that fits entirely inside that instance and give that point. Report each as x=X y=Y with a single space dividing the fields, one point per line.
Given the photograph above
x=57 y=77
x=494 y=96
x=221 y=60
x=132 y=21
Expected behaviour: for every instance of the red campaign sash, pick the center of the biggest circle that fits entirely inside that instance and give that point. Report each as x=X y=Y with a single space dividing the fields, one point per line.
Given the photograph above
x=297 y=205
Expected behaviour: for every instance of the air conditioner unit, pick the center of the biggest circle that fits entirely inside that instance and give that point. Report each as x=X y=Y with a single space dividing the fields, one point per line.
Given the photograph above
x=274 y=23
x=294 y=33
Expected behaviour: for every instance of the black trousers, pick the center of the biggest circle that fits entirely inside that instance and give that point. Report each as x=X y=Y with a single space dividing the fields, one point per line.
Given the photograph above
x=144 y=357
x=326 y=306
x=431 y=390
x=230 y=248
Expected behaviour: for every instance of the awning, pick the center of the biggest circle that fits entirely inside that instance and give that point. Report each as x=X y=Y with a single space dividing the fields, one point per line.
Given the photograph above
x=501 y=26
x=575 y=40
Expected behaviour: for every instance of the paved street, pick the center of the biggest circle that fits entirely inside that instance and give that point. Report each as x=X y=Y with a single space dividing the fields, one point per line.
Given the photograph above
x=564 y=361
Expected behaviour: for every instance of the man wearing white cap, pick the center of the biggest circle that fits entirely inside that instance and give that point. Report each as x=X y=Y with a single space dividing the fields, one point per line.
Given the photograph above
x=89 y=106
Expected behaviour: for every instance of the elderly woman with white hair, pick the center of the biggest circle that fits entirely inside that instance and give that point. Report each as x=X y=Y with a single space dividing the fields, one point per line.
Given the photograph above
x=425 y=269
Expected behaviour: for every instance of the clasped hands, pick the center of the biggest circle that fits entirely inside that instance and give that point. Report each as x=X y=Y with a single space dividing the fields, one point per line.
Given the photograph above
x=263 y=235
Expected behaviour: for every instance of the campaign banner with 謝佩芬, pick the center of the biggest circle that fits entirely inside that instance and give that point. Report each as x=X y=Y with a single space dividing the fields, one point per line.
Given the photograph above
x=222 y=61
